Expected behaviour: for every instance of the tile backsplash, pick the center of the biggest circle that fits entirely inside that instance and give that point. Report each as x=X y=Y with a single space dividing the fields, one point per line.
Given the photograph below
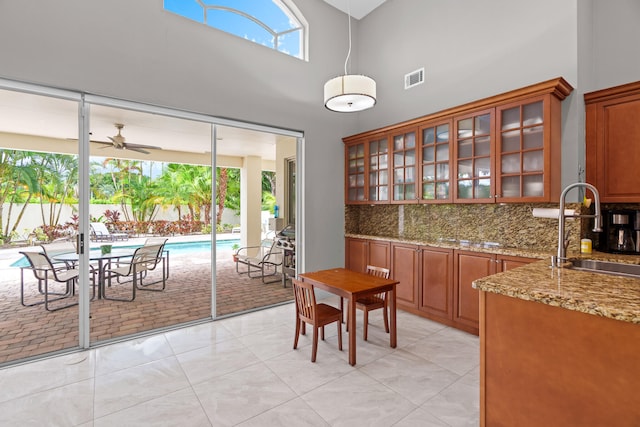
x=510 y=225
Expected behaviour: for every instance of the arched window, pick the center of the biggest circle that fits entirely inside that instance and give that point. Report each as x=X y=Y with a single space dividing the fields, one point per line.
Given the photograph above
x=277 y=24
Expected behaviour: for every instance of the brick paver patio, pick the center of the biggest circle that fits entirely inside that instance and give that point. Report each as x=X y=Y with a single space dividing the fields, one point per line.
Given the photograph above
x=30 y=331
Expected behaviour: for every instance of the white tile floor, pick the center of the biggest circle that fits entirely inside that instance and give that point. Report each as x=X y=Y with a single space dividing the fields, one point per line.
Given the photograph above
x=243 y=371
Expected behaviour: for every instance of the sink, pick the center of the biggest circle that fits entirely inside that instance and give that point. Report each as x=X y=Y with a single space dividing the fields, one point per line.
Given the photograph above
x=606 y=267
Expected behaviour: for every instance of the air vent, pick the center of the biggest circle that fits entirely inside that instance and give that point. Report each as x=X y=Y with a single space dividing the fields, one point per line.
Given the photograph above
x=414 y=78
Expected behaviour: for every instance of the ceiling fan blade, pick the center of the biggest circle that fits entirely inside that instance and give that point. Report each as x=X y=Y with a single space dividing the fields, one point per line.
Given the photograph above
x=104 y=144
x=130 y=145
x=139 y=150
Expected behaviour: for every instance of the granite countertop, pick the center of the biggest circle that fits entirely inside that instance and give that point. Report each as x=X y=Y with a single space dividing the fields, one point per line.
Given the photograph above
x=605 y=295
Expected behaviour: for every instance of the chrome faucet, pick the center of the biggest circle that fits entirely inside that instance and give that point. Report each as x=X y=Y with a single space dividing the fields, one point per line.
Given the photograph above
x=563 y=241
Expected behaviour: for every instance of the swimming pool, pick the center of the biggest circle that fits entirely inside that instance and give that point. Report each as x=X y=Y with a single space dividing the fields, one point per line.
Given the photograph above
x=175 y=248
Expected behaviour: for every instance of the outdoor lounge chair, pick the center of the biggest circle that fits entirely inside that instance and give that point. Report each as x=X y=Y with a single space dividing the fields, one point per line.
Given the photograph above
x=261 y=261
x=100 y=233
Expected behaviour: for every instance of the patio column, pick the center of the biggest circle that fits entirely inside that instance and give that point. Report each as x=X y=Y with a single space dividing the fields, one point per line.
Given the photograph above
x=251 y=201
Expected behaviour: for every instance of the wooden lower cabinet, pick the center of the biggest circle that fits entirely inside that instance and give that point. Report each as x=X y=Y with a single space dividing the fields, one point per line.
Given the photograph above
x=506 y=262
x=436 y=292
x=362 y=252
x=469 y=266
x=404 y=267
x=542 y=365
x=434 y=282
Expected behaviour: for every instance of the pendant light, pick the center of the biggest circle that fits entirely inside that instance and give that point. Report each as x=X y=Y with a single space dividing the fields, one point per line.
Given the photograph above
x=350 y=92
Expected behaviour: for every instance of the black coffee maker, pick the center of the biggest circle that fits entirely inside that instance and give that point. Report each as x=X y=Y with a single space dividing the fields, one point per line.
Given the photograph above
x=619 y=232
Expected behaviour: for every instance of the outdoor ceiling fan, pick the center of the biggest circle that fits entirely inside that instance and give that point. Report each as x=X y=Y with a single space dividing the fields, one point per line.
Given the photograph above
x=119 y=142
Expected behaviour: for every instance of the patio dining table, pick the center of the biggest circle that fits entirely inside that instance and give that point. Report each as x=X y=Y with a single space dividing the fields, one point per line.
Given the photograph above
x=102 y=258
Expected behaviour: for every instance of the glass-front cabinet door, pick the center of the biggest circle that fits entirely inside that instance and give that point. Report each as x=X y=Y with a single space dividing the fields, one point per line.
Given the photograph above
x=474 y=158
x=434 y=162
x=356 y=158
x=405 y=166
x=520 y=150
x=367 y=170
x=378 y=170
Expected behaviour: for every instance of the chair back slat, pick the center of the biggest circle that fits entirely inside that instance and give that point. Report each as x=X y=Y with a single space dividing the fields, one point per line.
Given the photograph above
x=305 y=300
x=378 y=271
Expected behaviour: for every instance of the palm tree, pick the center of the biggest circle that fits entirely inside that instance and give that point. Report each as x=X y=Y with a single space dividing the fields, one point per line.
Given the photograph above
x=120 y=171
x=18 y=184
x=172 y=188
x=58 y=178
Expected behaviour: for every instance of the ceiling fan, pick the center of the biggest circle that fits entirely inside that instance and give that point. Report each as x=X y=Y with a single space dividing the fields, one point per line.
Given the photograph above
x=119 y=142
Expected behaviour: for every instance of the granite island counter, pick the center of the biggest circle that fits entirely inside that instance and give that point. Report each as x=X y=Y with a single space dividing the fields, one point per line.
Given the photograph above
x=559 y=347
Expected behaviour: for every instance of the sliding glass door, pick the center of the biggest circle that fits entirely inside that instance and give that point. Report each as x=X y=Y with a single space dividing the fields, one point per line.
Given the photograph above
x=141 y=212
x=39 y=197
x=150 y=234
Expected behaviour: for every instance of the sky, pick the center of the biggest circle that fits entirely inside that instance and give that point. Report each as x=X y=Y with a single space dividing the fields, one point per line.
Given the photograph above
x=265 y=11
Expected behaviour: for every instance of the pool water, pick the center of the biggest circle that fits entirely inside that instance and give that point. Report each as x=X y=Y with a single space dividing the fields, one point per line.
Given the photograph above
x=179 y=248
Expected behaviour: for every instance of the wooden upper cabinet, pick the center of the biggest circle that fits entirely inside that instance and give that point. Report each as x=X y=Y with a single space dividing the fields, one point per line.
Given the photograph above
x=613 y=142
x=506 y=148
x=355 y=158
x=405 y=165
x=528 y=150
x=367 y=170
x=474 y=157
x=435 y=170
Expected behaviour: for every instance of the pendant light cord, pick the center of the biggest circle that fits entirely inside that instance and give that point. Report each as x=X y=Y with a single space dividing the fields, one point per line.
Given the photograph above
x=346 y=61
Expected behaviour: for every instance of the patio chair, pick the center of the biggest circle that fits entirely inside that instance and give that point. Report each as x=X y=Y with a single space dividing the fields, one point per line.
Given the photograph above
x=373 y=302
x=100 y=233
x=261 y=261
x=144 y=259
x=54 y=249
x=164 y=256
x=61 y=247
x=48 y=277
x=317 y=315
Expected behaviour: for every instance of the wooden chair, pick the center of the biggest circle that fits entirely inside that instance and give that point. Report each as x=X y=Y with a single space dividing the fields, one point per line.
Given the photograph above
x=373 y=302
x=317 y=315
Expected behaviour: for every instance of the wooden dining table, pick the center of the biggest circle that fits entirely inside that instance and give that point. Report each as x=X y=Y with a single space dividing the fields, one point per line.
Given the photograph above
x=352 y=285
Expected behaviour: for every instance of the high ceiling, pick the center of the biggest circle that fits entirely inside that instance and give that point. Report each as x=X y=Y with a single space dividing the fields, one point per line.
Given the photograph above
x=54 y=118
x=359 y=8
x=27 y=114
